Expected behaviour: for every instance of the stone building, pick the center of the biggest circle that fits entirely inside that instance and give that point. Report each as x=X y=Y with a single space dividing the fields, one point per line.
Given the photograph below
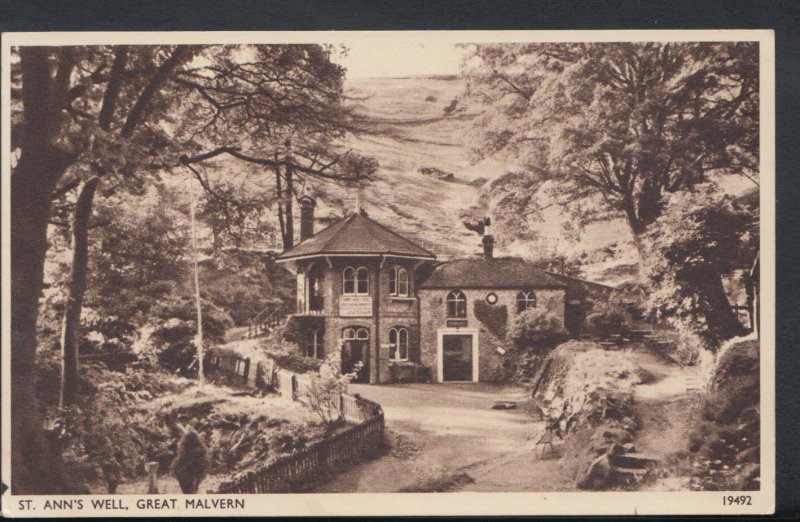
x=384 y=301
x=462 y=299
x=356 y=292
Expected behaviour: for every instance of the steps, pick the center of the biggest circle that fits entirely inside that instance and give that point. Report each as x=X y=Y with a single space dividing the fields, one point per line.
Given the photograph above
x=694 y=383
x=627 y=475
x=634 y=460
x=631 y=468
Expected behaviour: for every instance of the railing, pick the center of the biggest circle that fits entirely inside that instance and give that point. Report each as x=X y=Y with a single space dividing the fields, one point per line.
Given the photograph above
x=300 y=470
x=270 y=321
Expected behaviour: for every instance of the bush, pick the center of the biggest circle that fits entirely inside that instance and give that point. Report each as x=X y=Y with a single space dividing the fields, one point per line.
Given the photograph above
x=608 y=318
x=537 y=328
x=327 y=386
x=174 y=336
x=494 y=317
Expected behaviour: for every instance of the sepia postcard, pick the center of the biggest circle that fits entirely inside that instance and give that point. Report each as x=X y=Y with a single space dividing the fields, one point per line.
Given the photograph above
x=388 y=273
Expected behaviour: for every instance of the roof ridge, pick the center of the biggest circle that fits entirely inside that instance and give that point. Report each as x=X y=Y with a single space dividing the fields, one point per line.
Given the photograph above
x=556 y=274
x=343 y=222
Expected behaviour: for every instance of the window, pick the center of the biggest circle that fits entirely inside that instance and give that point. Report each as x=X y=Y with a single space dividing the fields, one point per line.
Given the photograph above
x=398 y=344
x=456 y=304
x=355 y=333
x=356 y=281
x=314 y=345
x=525 y=300
x=315 y=296
x=398 y=281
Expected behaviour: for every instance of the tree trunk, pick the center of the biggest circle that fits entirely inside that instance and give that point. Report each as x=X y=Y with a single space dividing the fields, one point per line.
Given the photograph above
x=197 y=302
x=42 y=163
x=31 y=185
x=721 y=320
x=288 y=241
x=279 y=197
x=75 y=291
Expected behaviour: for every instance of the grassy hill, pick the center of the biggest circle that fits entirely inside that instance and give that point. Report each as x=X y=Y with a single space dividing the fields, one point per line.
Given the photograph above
x=413 y=133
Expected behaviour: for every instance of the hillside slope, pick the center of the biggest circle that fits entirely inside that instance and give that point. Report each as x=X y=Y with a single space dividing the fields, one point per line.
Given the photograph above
x=411 y=132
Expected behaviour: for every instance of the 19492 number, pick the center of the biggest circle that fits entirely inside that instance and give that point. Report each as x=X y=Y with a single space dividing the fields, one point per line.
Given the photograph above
x=739 y=500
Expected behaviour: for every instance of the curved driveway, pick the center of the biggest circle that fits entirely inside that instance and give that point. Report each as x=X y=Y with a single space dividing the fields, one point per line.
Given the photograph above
x=436 y=429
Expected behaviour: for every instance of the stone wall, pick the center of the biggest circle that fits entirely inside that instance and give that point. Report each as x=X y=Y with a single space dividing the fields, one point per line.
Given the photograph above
x=433 y=314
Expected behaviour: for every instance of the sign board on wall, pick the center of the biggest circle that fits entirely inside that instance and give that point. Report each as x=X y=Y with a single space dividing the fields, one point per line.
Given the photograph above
x=355 y=306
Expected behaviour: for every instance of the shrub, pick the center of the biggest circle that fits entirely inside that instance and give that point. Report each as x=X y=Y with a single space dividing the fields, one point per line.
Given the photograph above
x=494 y=317
x=327 y=386
x=174 y=335
x=608 y=318
x=191 y=462
x=537 y=328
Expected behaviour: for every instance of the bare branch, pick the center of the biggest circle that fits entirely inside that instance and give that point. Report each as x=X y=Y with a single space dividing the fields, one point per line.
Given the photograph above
x=180 y=54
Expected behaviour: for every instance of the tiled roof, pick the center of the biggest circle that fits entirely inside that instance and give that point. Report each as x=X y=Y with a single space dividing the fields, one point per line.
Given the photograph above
x=356 y=234
x=508 y=272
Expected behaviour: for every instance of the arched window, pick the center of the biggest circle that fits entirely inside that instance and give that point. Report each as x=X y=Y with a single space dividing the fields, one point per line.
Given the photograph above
x=525 y=299
x=398 y=281
x=456 y=304
x=398 y=344
x=355 y=281
x=314 y=344
x=355 y=333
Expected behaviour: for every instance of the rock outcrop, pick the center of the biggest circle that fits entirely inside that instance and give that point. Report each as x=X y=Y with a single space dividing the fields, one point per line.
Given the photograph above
x=584 y=393
x=727 y=442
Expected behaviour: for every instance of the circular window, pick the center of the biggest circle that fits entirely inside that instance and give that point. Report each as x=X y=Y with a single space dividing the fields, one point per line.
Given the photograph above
x=491 y=298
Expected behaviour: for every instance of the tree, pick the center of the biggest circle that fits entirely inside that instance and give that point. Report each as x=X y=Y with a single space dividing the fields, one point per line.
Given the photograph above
x=75 y=292
x=58 y=121
x=705 y=237
x=139 y=257
x=511 y=200
x=279 y=109
x=110 y=112
x=620 y=125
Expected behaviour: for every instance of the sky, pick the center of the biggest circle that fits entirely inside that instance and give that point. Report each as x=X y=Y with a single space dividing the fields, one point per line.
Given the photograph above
x=393 y=57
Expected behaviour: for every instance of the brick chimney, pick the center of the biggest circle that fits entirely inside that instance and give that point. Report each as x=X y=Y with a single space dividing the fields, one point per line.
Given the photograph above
x=307 y=204
x=488 y=239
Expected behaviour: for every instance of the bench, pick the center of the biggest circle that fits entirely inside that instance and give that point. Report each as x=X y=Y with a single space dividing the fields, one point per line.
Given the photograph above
x=545 y=442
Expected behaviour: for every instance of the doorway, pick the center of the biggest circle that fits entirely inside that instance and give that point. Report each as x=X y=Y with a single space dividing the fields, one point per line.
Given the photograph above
x=355 y=349
x=458 y=358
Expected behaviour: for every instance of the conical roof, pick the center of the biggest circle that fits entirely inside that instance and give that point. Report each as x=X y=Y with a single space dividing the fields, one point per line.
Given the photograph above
x=357 y=234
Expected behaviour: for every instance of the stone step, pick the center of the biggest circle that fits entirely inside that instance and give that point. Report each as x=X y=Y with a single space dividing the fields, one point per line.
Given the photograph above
x=629 y=473
x=634 y=460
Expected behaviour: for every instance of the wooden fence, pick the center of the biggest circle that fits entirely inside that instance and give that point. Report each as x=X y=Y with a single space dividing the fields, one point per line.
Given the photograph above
x=296 y=472
x=266 y=373
x=235 y=367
